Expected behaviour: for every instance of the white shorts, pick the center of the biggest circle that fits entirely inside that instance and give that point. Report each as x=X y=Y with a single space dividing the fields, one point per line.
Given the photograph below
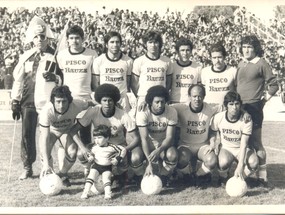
x=235 y=151
x=194 y=148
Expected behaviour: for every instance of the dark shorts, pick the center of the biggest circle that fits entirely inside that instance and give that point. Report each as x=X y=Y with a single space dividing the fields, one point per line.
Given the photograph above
x=256 y=111
x=101 y=168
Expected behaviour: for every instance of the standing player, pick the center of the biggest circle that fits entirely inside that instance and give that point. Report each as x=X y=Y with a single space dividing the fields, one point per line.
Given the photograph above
x=193 y=130
x=254 y=77
x=234 y=134
x=31 y=90
x=185 y=72
x=76 y=64
x=157 y=128
x=219 y=78
x=56 y=120
x=105 y=155
x=150 y=69
x=114 y=67
x=107 y=113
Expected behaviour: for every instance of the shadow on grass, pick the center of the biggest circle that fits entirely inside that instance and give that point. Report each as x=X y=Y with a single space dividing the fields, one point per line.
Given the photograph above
x=276 y=175
x=70 y=190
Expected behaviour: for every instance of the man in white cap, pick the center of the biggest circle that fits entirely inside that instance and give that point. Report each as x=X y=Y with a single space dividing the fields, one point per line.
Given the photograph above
x=35 y=75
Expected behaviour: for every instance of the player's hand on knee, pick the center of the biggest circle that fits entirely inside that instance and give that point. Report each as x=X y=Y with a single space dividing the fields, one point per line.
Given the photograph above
x=16 y=108
x=208 y=150
x=217 y=149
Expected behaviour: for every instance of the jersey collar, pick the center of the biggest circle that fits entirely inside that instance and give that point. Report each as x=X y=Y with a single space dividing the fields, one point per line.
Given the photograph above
x=254 y=60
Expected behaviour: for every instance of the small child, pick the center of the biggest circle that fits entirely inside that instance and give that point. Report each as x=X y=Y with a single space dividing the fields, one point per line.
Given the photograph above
x=105 y=155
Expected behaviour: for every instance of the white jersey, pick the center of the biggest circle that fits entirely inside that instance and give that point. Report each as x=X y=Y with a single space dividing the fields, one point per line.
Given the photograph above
x=61 y=123
x=157 y=124
x=194 y=127
x=230 y=132
x=118 y=123
x=113 y=71
x=151 y=72
x=103 y=154
x=182 y=78
x=77 y=69
x=217 y=84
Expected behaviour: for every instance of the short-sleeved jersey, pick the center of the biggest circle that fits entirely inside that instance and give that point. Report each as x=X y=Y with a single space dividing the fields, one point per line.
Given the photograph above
x=194 y=127
x=251 y=79
x=77 y=69
x=218 y=83
x=182 y=78
x=118 y=123
x=151 y=72
x=157 y=124
x=103 y=154
x=230 y=132
x=61 y=123
x=113 y=71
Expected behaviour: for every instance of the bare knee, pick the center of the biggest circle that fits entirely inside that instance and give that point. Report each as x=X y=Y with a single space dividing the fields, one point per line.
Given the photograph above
x=172 y=155
x=261 y=154
x=184 y=157
x=253 y=162
x=137 y=157
x=211 y=161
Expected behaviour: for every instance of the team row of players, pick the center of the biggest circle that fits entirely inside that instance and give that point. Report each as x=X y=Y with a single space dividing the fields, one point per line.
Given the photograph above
x=83 y=71
x=161 y=137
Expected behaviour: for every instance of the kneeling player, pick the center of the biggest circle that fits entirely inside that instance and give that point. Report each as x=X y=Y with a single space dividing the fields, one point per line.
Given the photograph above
x=105 y=155
x=157 y=127
x=56 y=119
x=234 y=135
x=193 y=133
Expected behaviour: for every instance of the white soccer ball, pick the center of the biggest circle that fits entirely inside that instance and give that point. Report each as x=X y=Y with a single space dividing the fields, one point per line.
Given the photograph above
x=98 y=186
x=236 y=187
x=151 y=185
x=50 y=184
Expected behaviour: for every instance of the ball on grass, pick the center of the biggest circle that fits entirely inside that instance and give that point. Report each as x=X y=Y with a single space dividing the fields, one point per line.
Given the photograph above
x=151 y=185
x=50 y=184
x=236 y=187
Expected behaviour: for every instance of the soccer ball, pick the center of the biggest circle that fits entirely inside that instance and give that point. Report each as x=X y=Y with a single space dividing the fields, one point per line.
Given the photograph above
x=98 y=186
x=151 y=185
x=50 y=184
x=236 y=187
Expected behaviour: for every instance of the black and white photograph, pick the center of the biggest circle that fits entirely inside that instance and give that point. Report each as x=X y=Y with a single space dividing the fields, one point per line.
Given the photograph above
x=142 y=107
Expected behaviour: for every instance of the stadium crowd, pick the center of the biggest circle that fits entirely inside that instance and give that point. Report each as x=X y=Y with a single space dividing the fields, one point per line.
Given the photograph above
x=162 y=60
x=132 y=25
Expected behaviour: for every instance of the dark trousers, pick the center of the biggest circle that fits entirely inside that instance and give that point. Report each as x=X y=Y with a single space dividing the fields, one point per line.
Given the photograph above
x=28 y=143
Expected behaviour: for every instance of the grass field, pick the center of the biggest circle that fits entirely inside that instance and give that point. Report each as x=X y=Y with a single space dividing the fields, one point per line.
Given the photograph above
x=27 y=194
